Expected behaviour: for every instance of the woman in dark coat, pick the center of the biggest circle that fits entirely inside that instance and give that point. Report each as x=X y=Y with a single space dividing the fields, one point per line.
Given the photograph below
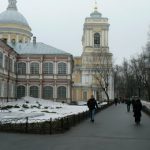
x=137 y=111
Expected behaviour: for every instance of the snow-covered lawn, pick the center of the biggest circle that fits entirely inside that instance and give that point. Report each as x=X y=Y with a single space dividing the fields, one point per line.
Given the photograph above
x=38 y=109
x=147 y=104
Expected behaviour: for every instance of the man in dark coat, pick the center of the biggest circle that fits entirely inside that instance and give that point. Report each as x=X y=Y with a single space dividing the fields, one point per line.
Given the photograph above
x=137 y=111
x=128 y=102
x=92 y=105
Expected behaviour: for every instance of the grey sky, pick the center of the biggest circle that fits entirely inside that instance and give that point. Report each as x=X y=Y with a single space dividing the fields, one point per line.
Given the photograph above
x=60 y=23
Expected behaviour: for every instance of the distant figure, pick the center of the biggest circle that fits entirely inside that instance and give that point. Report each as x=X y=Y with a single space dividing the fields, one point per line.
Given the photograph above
x=137 y=111
x=128 y=102
x=116 y=101
x=92 y=105
x=133 y=102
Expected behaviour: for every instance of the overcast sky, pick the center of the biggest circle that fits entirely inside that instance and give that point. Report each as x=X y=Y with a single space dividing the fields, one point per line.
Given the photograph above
x=59 y=23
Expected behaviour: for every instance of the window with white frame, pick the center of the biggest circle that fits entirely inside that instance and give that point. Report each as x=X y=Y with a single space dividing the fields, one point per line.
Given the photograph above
x=62 y=68
x=34 y=68
x=1 y=60
x=47 y=92
x=61 y=92
x=34 y=91
x=20 y=91
x=48 y=68
x=21 y=68
x=84 y=95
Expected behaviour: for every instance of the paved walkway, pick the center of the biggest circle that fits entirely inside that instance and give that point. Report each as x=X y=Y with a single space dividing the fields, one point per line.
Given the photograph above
x=113 y=129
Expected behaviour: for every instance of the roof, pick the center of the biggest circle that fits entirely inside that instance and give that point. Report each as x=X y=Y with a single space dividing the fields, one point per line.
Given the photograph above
x=96 y=14
x=13 y=16
x=37 y=48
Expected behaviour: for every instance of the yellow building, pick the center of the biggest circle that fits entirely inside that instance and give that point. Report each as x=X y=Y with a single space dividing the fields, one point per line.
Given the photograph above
x=94 y=61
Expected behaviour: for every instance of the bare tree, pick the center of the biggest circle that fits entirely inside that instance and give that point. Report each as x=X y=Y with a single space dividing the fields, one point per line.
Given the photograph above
x=103 y=71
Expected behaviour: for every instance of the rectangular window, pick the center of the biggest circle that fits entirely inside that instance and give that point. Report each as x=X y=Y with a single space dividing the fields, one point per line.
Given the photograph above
x=85 y=95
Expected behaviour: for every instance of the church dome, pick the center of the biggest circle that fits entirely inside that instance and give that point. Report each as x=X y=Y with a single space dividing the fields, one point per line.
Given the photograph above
x=14 y=17
x=13 y=25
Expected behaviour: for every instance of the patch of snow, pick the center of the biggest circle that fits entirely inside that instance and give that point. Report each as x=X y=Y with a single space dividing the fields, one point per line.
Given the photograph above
x=39 y=109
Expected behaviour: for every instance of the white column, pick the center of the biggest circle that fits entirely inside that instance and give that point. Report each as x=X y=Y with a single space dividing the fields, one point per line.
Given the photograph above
x=28 y=66
x=40 y=89
x=2 y=89
x=68 y=92
x=91 y=38
x=55 y=92
x=55 y=67
x=86 y=38
x=40 y=69
x=9 y=39
x=27 y=90
x=17 y=38
x=24 y=39
x=106 y=37
x=69 y=68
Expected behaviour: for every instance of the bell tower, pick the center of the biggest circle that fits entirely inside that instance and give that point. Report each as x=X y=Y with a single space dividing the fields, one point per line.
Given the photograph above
x=95 y=32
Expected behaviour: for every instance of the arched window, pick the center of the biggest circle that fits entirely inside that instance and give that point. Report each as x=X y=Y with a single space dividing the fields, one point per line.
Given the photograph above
x=20 y=91
x=96 y=40
x=34 y=91
x=47 y=92
x=61 y=92
x=21 y=68
x=62 y=68
x=1 y=60
x=48 y=68
x=34 y=68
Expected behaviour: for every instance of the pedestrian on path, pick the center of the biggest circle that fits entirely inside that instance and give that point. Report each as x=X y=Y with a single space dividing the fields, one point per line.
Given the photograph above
x=137 y=111
x=128 y=102
x=116 y=101
x=92 y=105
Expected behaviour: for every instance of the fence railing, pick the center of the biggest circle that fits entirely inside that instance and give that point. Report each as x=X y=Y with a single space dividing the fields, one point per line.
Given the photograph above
x=38 y=126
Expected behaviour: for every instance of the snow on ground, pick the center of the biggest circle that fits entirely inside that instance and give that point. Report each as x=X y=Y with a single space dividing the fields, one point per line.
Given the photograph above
x=38 y=109
x=147 y=104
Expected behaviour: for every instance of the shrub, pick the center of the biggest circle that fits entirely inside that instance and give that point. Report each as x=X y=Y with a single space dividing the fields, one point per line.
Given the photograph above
x=25 y=106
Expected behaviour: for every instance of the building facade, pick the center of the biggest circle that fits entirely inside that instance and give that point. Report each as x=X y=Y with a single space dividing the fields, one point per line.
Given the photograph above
x=95 y=63
x=31 y=68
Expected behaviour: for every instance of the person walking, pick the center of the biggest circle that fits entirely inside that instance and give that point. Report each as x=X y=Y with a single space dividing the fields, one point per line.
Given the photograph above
x=137 y=111
x=92 y=105
x=128 y=102
x=116 y=101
